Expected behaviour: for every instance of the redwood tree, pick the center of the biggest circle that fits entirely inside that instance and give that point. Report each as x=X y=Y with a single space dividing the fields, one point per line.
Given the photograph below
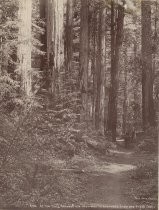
x=25 y=46
x=55 y=43
x=117 y=21
x=69 y=36
x=84 y=57
x=100 y=68
x=147 y=72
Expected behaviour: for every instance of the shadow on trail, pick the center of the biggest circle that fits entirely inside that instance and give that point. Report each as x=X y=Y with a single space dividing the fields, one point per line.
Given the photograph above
x=111 y=184
x=107 y=183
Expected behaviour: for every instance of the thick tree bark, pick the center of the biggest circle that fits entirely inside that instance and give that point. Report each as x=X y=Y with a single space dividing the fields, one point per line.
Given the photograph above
x=106 y=92
x=135 y=87
x=125 y=95
x=100 y=69
x=147 y=72
x=43 y=38
x=0 y=49
x=25 y=46
x=69 y=38
x=109 y=121
x=55 y=43
x=0 y=41
x=103 y=68
x=116 y=42
x=93 y=31
x=84 y=57
x=98 y=72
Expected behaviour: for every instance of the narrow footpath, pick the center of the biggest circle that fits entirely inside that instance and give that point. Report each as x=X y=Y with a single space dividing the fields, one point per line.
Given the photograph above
x=109 y=182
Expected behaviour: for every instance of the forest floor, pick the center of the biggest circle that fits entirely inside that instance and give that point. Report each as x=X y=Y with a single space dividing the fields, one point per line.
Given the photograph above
x=93 y=181
x=89 y=178
x=106 y=181
x=109 y=183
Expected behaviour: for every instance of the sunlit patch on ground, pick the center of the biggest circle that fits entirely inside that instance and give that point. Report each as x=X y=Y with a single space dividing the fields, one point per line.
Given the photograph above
x=121 y=152
x=111 y=168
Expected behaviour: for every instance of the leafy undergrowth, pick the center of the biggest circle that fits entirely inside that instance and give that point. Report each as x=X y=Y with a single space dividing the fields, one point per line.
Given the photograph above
x=149 y=141
x=145 y=177
x=41 y=189
x=37 y=145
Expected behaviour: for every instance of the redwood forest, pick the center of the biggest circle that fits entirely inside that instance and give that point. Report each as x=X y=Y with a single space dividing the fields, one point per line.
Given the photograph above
x=79 y=104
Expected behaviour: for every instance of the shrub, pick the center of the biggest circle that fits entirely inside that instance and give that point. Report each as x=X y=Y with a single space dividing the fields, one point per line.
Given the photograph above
x=149 y=142
x=145 y=181
x=145 y=170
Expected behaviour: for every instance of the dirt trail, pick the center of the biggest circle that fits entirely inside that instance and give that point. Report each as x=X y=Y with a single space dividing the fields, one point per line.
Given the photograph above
x=108 y=182
x=105 y=182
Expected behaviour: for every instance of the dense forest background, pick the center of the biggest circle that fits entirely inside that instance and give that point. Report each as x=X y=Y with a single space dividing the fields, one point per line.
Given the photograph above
x=75 y=76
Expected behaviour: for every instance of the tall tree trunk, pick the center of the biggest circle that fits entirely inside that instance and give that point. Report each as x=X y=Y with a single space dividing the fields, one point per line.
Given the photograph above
x=147 y=72
x=84 y=57
x=109 y=121
x=0 y=49
x=25 y=46
x=93 y=60
x=106 y=92
x=116 y=42
x=55 y=43
x=0 y=41
x=43 y=39
x=69 y=38
x=103 y=67
x=98 y=73
x=100 y=69
x=125 y=95
x=135 y=89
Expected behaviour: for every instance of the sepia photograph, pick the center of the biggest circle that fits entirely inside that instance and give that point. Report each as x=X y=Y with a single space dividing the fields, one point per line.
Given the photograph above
x=79 y=104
